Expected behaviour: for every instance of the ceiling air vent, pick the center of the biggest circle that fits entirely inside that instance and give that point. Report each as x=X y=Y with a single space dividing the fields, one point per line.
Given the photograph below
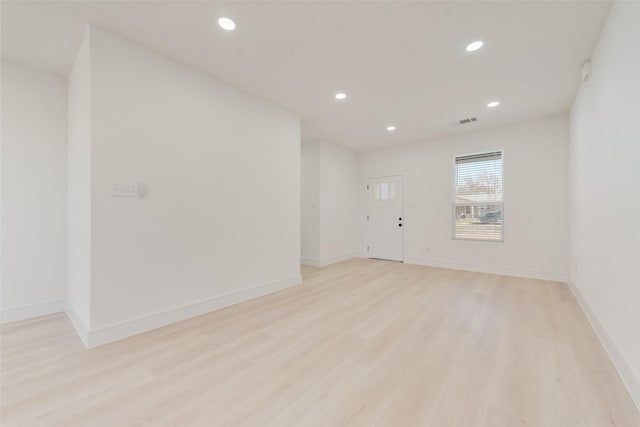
x=469 y=120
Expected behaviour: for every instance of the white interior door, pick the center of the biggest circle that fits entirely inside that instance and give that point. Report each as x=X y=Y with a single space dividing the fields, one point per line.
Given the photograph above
x=385 y=235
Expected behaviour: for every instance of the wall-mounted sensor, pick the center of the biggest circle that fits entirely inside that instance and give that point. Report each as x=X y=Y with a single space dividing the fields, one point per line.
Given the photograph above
x=586 y=71
x=125 y=189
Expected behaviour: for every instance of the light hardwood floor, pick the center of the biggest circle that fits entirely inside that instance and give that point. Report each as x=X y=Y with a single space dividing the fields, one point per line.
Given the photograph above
x=360 y=343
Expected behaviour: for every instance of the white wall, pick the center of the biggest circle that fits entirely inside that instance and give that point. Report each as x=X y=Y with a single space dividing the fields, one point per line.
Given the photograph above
x=221 y=222
x=310 y=203
x=338 y=203
x=34 y=150
x=329 y=203
x=535 y=169
x=78 y=304
x=605 y=192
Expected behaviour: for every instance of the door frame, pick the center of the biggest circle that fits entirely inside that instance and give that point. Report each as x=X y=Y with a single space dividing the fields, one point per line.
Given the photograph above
x=366 y=212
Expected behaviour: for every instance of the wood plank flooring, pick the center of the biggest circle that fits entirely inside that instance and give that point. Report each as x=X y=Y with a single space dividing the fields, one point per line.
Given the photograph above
x=360 y=343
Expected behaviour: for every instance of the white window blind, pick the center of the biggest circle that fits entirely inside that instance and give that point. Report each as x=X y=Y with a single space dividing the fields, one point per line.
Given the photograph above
x=478 y=208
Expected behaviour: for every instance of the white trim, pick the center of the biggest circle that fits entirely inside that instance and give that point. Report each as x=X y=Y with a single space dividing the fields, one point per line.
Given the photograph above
x=314 y=262
x=33 y=310
x=624 y=370
x=80 y=324
x=490 y=269
x=336 y=259
x=107 y=334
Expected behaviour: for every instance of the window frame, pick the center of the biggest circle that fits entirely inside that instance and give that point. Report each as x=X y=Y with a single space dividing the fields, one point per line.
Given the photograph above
x=454 y=205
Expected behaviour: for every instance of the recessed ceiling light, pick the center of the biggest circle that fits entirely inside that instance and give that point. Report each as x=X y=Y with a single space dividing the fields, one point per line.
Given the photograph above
x=391 y=128
x=226 y=24
x=341 y=95
x=493 y=104
x=474 y=45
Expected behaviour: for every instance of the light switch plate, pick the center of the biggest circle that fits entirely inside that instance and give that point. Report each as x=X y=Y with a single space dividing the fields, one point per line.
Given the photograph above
x=123 y=190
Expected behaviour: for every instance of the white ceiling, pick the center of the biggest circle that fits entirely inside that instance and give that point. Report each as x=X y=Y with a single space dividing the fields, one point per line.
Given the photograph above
x=400 y=62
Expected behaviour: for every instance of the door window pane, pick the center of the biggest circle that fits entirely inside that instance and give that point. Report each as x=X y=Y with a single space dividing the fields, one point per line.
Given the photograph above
x=385 y=191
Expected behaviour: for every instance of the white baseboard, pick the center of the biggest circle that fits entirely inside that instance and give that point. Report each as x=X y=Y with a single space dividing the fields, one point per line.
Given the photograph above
x=32 y=310
x=624 y=370
x=81 y=325
x=490 y=269
x=107 y=334
x=314 y=262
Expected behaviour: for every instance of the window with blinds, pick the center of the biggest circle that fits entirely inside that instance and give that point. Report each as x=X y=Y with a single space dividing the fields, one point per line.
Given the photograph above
x=478 y=208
